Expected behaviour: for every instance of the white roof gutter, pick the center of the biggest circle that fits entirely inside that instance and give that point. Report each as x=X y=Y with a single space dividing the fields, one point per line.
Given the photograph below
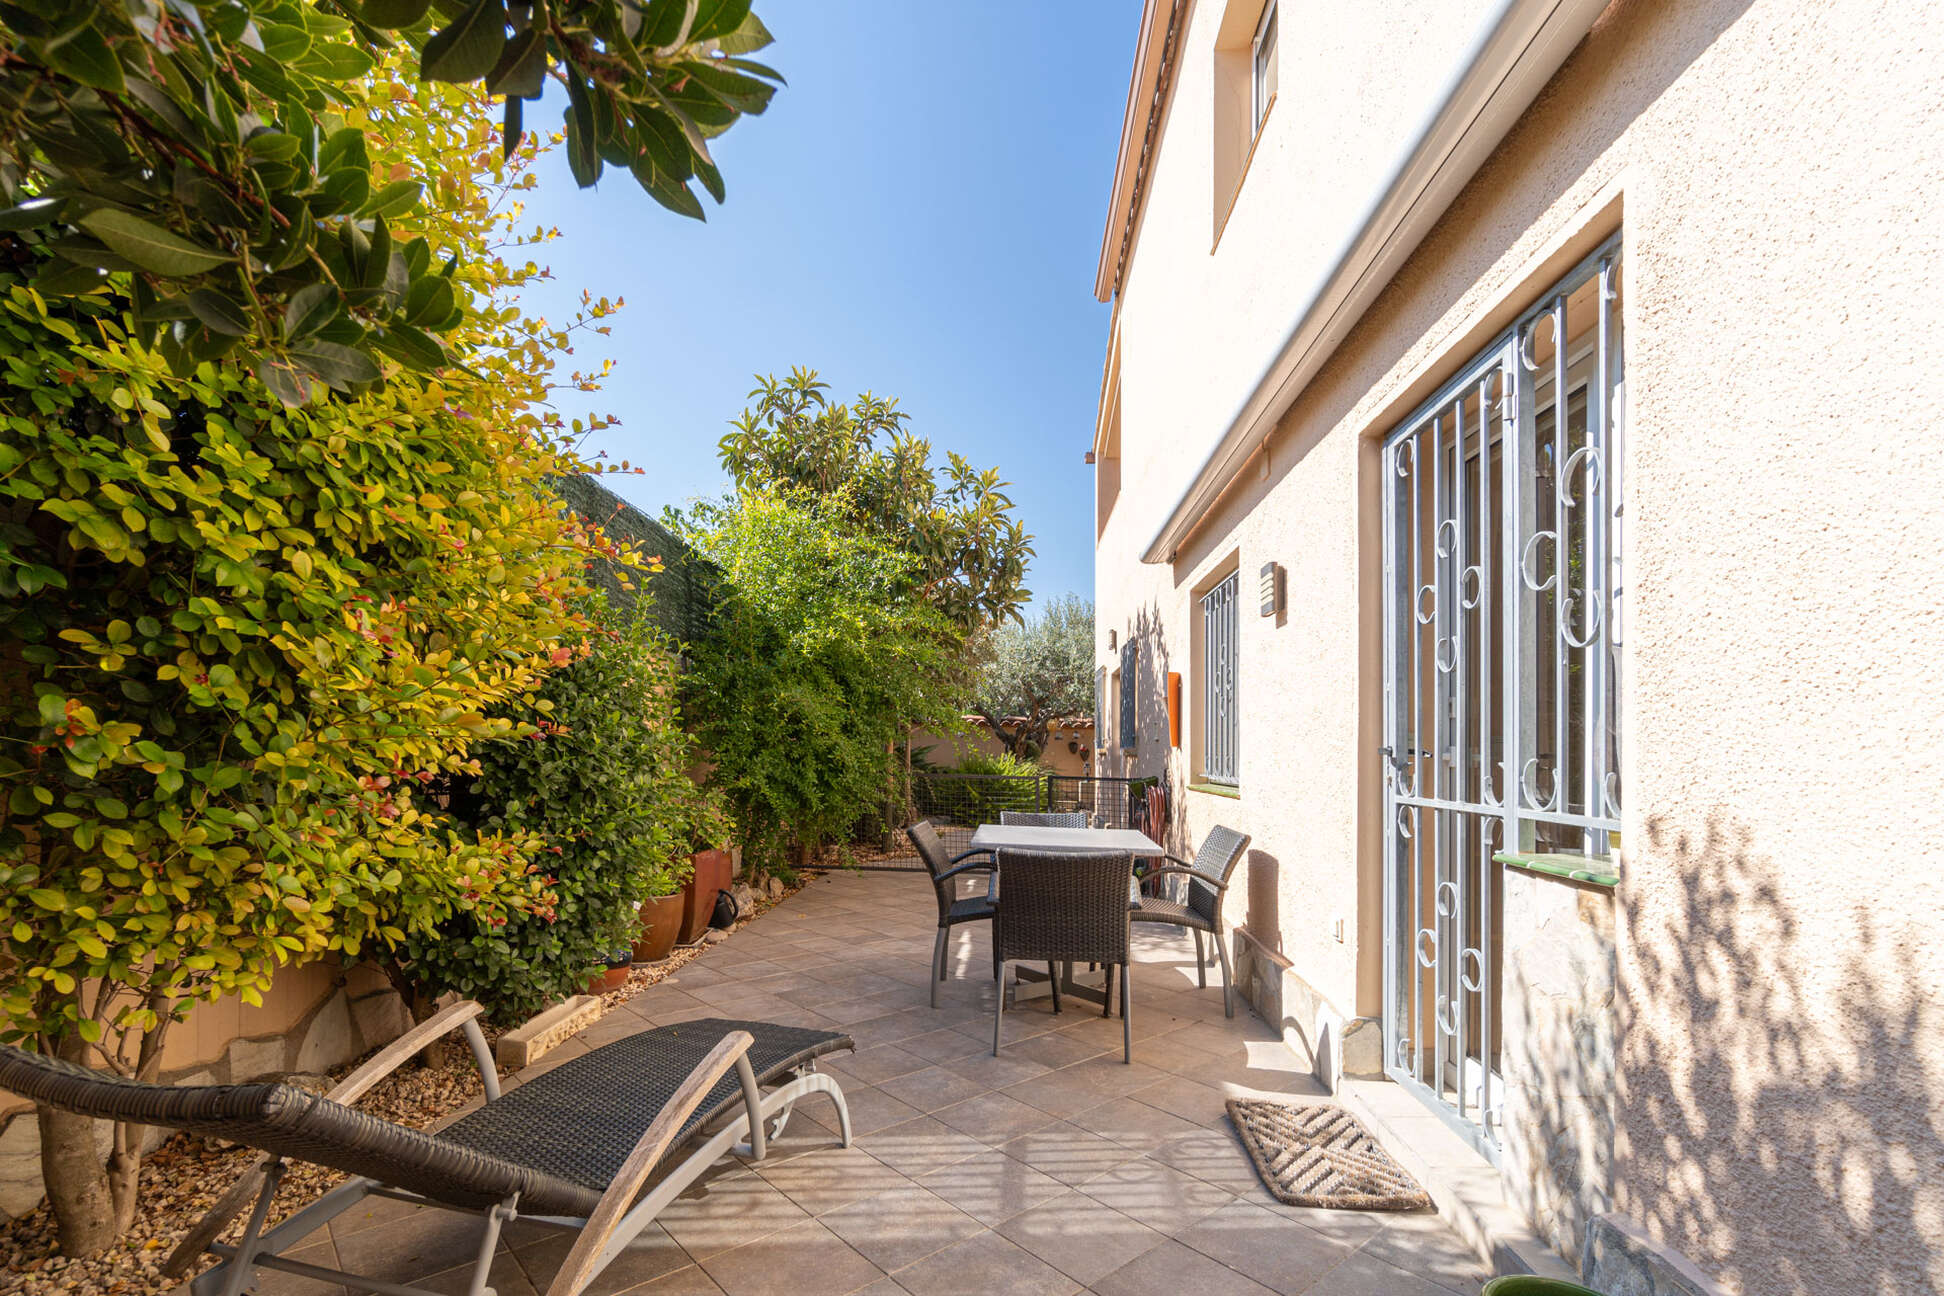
x=1517 y=51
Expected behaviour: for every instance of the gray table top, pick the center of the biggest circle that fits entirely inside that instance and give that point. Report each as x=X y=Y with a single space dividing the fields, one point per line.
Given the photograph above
x=1010 y=837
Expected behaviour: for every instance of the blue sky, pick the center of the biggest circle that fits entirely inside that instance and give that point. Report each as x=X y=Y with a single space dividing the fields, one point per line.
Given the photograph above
x=918 y=214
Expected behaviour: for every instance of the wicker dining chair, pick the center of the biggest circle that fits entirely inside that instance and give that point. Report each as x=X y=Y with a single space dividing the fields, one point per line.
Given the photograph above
x=572 y=1149
x=1063 y=907
x=1044 y=819
x=1208 y=879
x=954 y=910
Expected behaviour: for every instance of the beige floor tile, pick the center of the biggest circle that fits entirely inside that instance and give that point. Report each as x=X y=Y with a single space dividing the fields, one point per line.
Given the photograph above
x=993 y=1118
x=985 y=1265
x=1080 y=1237
x=649 y=1256
x=728 y=1212
x=831 y=1179
x=808 y=1260
x=932 y=1088
x=1068 y=1153
x=1159 y=1196
x=993 y=1188
x=901 y=1227
x=1269 y=1248
x=920 y=1146
x=1175 y=1270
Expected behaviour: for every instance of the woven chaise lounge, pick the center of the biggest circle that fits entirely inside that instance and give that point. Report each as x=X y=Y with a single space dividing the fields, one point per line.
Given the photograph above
x=572 y=1148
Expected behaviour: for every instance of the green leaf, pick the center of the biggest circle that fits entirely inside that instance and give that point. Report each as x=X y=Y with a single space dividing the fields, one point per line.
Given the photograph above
x=410 y=347
x=747 y=38
x=309 y=310
x=717 y=18
x=220 y=314
x=395 y=199
x=522 y=66
x=272 y=146
x=46 y=899
x=149 y=246
x=32 y=214
x=393 y=14
x=429 y=301
x=286 y=382
x=583 y=148
x=466 y=48
x=340 y=366
x=85 y=56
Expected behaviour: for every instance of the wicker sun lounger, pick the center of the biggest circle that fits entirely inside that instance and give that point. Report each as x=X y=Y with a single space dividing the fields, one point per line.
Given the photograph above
x=572 y=1148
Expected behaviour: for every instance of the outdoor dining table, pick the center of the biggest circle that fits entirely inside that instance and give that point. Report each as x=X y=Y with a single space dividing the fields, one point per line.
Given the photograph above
x=1031 y=983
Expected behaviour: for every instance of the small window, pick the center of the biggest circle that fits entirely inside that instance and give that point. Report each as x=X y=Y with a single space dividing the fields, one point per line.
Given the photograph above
x=1264 y=66
x=1221 y=623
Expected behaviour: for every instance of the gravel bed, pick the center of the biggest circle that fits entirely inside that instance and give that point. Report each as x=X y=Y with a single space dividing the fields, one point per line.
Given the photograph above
x=183 y=1177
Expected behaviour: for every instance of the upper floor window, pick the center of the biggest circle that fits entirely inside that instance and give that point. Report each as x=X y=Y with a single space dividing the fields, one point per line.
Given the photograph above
x=1221 y=727
x=1263 y=66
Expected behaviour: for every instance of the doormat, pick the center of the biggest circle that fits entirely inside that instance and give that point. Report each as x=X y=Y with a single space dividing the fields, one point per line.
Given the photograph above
x=1317 y=1154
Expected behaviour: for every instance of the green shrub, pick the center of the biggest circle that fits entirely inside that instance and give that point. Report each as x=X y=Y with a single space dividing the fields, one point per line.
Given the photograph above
x=603 y=781
x=1010 y=783
x=824 y=653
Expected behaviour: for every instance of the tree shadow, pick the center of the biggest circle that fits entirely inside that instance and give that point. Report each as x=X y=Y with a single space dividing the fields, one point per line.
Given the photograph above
x=1779 y=1101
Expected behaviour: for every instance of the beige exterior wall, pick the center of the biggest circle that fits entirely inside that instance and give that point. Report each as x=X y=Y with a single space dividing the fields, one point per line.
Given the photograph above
x=1777 y=943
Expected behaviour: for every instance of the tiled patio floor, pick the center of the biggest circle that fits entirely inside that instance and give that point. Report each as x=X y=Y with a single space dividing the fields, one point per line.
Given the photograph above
x=1049 y=1170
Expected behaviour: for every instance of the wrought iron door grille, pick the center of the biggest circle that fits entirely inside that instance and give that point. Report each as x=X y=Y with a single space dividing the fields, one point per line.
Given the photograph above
x=1502 y=665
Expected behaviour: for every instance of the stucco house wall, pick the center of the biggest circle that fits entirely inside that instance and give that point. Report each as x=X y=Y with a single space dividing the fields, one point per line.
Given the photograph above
x=1763 y=1089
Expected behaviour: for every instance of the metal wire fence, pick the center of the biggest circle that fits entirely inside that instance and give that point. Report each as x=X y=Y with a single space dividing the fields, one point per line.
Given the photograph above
x=958 y=803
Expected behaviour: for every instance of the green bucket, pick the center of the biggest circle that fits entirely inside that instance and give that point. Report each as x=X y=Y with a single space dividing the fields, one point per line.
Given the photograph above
x=1533 y=1285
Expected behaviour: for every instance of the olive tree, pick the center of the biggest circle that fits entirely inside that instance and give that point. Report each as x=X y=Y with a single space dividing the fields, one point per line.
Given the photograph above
x=1038 y=670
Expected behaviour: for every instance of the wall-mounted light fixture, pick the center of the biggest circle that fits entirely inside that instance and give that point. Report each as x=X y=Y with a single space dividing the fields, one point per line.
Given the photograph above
x=1113 y=640
x=1270 y=584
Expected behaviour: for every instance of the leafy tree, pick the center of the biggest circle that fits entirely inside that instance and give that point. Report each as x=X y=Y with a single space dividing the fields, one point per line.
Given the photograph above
x=824 y=650
x=971 y=552
x=603 y=780
x=237 y=635
x=1040 y=670
x=200 y=148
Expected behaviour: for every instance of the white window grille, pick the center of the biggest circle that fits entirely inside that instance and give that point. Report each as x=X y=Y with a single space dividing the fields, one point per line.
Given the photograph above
x=1220 y=728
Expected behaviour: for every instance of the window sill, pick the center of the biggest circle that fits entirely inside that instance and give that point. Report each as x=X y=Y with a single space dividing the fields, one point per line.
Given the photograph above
x=1566 y=868
x=1217 y=789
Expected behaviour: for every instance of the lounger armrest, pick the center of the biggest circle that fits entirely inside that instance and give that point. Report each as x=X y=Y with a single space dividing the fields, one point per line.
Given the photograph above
x=408 y=1046
x=584 y=1260
x=346 y=1091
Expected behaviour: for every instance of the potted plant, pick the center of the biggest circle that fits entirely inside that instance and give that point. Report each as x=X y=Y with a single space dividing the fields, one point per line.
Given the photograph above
x=661 y=919
x=710 y=866
x=614 y=975
x=1533 y=1285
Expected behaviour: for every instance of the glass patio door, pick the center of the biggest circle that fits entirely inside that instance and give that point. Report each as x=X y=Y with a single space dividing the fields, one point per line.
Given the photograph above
x=1501 y=647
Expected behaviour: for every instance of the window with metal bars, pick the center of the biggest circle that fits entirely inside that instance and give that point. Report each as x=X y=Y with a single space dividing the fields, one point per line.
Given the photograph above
x=1221 y=625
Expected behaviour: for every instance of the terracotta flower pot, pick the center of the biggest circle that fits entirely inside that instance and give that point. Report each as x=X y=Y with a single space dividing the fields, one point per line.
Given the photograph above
x=661 y=923
x=613 y=977
x=714 y=871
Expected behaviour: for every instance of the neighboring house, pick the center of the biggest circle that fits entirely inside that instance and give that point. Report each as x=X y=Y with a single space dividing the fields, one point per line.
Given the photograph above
x=1519 y=432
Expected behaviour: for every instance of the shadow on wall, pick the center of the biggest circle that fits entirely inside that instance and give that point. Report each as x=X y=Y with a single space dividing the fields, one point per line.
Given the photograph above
x=1152 y=754
x=1782 y=1114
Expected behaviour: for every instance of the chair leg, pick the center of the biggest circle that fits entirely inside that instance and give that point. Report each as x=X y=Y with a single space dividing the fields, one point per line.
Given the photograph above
x=1053 y=979
x=1228 y=977
x=1107 y=992
x=242 y=1264
x=1127 y=1020
x=1201 y=958
x=938 y=963
x=998 y=1003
